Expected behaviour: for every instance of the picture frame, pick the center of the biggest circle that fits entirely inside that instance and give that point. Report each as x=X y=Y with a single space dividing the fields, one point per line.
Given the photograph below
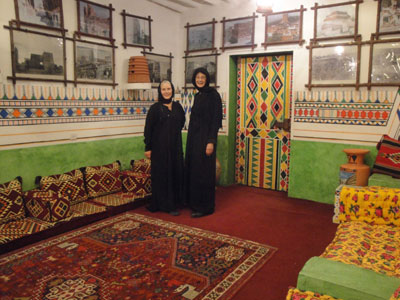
x=336 y=21
x=285 y=27
x=238 y=33
x=37 y=56
x=200 y=37
x=160 y=67
x=46 y=14
x=137 y=31
x=94 y=20
x=207 y=61
x=94 y=63
x=384 y=68
x=334 y=65
x=388 y=17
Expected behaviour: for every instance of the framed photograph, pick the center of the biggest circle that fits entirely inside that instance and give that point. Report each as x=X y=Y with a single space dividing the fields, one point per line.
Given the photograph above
x=238 y=33
x=284 y=27
x=40 y=13
x=384 y=69
x=334 y=65
x=200 y=37
x=137 y=31
x=94 y=63
x=336 y=21
x=209 y=62
x=94 y=20
x=37 y=56
x=160 y=67
x=388 y=19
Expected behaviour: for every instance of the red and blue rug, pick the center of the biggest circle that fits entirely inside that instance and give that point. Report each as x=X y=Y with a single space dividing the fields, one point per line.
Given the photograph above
x=132 y=256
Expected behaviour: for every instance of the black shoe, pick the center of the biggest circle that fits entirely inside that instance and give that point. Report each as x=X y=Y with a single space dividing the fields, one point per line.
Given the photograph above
x=174 y=213
x=197 y=214
x=151 y=209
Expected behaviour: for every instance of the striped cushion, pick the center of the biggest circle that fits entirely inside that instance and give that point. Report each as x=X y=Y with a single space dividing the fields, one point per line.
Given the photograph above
x=387 y=160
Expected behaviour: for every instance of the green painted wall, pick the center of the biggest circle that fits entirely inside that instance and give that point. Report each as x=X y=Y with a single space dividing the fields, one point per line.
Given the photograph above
x=314 y=169
x=55 y=159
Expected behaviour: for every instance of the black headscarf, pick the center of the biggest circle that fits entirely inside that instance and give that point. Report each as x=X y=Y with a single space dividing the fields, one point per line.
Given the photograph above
x=204 y=71
x=160 y=96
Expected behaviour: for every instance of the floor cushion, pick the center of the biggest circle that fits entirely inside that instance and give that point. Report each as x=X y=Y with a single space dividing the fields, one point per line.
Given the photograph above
x=70 y=184
x=11 y=201
x=296 y=294
x=103 y=180
x=47 y=205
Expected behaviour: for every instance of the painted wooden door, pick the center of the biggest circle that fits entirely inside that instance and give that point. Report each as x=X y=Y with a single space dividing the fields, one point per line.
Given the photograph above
x=264 y=96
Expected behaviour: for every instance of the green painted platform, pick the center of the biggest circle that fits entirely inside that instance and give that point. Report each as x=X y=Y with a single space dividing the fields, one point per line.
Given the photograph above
x=383 y=180
x=344 y=281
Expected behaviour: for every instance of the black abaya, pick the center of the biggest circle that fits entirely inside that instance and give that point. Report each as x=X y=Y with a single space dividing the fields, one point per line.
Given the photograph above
x=163 y=137
x=205 y=121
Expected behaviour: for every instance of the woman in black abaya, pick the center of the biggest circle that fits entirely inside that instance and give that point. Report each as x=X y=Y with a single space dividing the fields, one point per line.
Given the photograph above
x=201 y=146
x=163 y=145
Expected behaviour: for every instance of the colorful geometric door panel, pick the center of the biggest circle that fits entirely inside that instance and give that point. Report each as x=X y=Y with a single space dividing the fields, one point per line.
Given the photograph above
x=264 y=96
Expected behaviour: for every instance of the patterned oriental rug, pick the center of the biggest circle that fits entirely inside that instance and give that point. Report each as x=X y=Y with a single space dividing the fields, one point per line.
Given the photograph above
x=132 y=256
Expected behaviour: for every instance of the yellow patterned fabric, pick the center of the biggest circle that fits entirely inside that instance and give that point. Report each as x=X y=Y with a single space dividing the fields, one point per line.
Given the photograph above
x=296 y=294
x=372 y=204
x=373 y=247
x=11 y=202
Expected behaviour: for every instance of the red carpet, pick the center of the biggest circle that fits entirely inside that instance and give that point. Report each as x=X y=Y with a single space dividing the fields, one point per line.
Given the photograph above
x=132 y=256
x=299 y=228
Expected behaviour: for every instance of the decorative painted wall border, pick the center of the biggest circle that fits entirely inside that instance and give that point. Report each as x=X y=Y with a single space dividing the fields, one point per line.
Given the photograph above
x=34 y=105
x=28 y=112
x=344 y=108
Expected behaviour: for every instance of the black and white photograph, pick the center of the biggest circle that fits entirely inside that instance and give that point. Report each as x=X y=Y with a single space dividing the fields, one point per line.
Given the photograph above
x=94 y=62
x=389 y=16
x=137 y=31
x=336 y=64
x=160 y=67
x=94 y=19
x=38 y=56
x=200 y=37
x=386 y=63
x=336 y=21
x=43 y=13
x=209 y=62
x=238 y=32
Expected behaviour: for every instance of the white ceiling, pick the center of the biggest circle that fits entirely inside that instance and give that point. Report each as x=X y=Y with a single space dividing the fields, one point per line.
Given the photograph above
x=180 y=6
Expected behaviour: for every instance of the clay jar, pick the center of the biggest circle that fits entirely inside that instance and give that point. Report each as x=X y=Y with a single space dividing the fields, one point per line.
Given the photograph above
x=356 y=165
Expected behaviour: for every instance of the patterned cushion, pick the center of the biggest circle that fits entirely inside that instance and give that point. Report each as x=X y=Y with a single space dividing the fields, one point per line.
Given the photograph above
x=141 y=165
x=387 y=160
x=47 y=206
x=396 y=294
x=136 y=182
x=69 y=184
x=103 y=180
x=373 y=247
x=11 y=202
x=296 y=294
x=377 y=205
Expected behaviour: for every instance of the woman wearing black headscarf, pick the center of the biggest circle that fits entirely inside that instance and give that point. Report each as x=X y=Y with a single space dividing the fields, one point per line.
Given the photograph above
x=201 y=146
x=163 y=145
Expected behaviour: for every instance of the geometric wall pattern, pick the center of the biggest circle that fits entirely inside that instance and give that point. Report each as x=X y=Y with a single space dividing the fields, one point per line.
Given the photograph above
x=344 y=108
x=33 y=105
